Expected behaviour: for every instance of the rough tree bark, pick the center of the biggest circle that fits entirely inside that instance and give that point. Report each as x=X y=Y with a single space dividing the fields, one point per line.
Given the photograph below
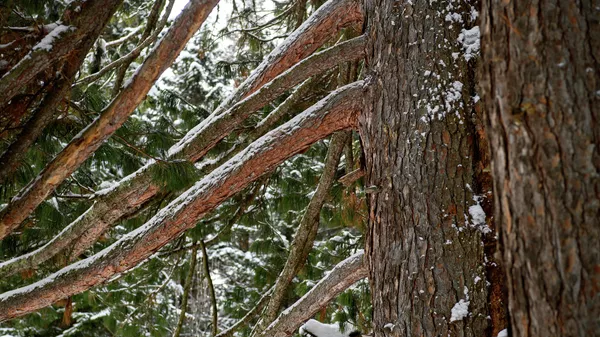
x=336 y=112
x=425 y=253
x=541 y=71
x=112 y=117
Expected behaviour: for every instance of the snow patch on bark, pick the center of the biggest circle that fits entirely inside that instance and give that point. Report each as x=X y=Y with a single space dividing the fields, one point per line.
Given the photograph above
x=470 y=40
x=460 y=310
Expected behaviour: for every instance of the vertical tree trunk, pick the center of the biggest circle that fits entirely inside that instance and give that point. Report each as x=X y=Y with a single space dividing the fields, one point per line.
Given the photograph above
x=424 y=251
x=542 y=100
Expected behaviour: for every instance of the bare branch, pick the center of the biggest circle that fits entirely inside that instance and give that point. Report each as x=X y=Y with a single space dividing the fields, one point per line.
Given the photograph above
x=336 y=112
x=127 y=59
x=113 y=116
x=211 y=290
x=345 y=274
x=186 y=292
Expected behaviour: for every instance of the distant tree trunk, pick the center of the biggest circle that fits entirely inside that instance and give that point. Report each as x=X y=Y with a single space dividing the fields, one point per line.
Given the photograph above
x=424 y=250
x=542 y=99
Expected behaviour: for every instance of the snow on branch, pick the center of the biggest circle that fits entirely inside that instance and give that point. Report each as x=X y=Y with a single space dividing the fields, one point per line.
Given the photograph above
x=314 y=328
x=342 y=276
x=113 y=116
x=79 y=21
x=336 y=112
x=134 y=190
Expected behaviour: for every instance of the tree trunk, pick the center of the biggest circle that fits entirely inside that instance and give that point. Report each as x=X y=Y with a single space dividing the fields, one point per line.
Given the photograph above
x=542 y=103
x=424 y=251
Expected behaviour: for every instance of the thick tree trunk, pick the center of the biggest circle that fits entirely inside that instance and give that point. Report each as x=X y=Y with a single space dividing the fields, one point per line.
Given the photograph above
x=541 y=71
x=424 y=251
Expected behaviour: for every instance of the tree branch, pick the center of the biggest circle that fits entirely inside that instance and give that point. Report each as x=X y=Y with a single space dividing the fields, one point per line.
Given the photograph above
x=46 y=112
x=303 y=240
x=135 y=189
x=113 y=116
x=336 y=112
x=186 y=291
x=211 y=289
x=345 y=274
x=80 y=20
x=127 y=59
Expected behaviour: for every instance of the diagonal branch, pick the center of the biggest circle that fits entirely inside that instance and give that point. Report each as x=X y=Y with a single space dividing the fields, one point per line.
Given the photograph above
x=113 y=116
x=186 y=292
x=211 y=290
x=345 y=274
x=81 y=20
x=303 y=240
x=132 y=55
x=134 y=190
x=338 y=111
x=46 y=112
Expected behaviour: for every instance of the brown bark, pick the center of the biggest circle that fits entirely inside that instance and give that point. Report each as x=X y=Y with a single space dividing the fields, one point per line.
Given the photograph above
x=345 y=274
x=46 y=112
x=137 y=188
x=336 y=112
x=541 y=99
x=425 y=255
x=86 y=19
x=113 y=116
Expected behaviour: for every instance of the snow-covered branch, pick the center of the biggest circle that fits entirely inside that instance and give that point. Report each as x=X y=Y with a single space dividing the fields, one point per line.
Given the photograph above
x=112 y=117
x=137 y=188
x=336 y=112
x=345 y=274
x=307 y=230
x=80 y=20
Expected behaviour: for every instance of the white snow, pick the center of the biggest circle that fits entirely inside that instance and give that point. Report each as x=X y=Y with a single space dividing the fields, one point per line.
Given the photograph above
x=48 y=40
x=470 y=40
x=316 y=328
x=503 y=333
x=460 y=310
x=478 y=216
